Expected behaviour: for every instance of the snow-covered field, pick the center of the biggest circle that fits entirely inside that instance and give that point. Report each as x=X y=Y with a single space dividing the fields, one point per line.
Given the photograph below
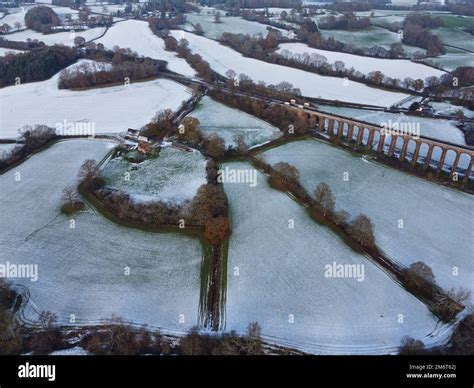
x=226 y=122
x=15 y=15
x=230 y=24
x=66 y=37
x=222 y=59
x=110 y=9
x=82 y=270
x=388 y=21
x=394 y=68
x=455 y=37
x=5 y=149
x=451 y=60
x=5 y=51
x=137 y=36
x=281 y=282
x=369 y=37
x=437 y=222
x=174 y=176
x=108 y=109
x=440 y=129
x=445 y=108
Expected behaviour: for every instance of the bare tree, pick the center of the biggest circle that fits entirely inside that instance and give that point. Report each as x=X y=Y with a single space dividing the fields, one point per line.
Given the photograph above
x=88 y=171
x=324 y=198
x=362 y=230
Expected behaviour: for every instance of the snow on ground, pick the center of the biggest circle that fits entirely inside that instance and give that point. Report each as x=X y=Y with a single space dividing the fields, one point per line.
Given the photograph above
x=438 y=223
x=65 y=37
x=5 y=149
x=63 y=11
x=5 y=51
x=226 y=122
x=110 y=9
x=455 y=37
x=388 y=21
x=369 y=37
x=18 y=14
x=75 y=351
x=281 y=282
x=222 y=59
x=81 y=271
x=15 y=15
x=445 y=108
x=174 y=176
x=394 y=68
x=137 y=36
x=232 y=24
x=108 y=109
x=440 y=129
x=452 y=60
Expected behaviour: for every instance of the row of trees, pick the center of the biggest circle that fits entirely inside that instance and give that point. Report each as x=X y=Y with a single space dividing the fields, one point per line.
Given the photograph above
x=195 y=60
x=32 y=138
x=285 y=177
x=36 y=65
x=84 y=75
x=23 y=46
x=118 y=338
x=347 y=21
x=418 y=278
x=264 y=4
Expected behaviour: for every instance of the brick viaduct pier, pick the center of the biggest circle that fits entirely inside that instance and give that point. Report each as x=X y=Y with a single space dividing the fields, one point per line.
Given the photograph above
x=353 y=130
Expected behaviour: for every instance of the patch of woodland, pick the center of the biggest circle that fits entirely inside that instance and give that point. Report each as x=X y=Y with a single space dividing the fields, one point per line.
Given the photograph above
x=188 y=133
x=32 y=138
x=86 y=76
x=416 y=33
x=41 y=19
x=35 y=65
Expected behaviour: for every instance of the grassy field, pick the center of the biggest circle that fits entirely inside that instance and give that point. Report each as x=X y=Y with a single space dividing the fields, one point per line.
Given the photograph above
x=174 y=176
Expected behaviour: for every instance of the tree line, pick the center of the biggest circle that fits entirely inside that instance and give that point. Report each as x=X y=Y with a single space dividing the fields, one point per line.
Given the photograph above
x=32 y=138
x=122 y=68
x=347 y=21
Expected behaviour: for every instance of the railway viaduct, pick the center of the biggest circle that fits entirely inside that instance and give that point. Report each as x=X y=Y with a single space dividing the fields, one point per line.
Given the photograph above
x=338 y=126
